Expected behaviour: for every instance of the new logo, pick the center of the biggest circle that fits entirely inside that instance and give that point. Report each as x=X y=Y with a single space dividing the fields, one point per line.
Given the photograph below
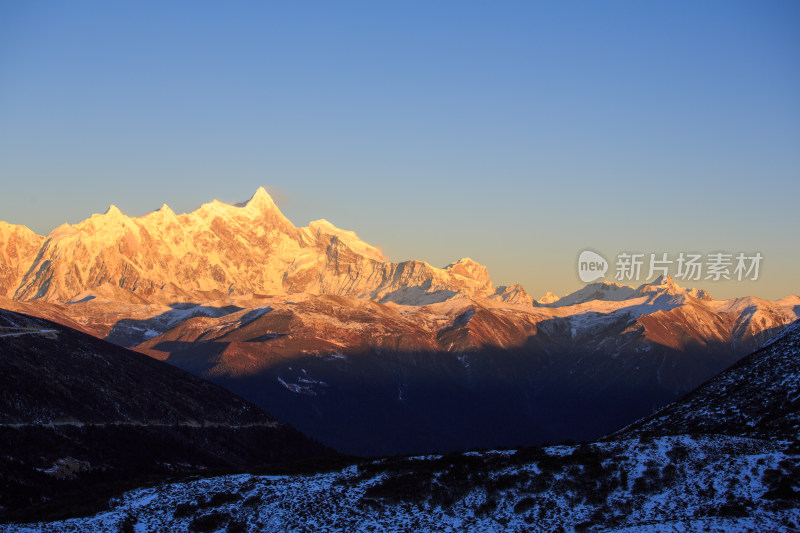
x=591 y=266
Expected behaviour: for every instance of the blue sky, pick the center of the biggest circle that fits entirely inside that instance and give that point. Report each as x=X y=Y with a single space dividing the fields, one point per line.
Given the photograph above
x=516 y=133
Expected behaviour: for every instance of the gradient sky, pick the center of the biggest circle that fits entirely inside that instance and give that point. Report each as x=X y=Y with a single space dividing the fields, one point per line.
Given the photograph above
x=516 y=133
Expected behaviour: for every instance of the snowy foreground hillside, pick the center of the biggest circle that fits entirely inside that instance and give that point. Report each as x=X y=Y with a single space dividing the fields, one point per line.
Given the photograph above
x=704 y=483
x=696 y=465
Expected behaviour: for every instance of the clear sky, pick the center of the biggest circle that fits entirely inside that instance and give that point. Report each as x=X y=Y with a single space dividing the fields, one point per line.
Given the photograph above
x=515 y=133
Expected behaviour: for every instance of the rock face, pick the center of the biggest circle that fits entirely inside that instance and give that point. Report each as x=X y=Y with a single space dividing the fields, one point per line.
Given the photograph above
x=222 y=250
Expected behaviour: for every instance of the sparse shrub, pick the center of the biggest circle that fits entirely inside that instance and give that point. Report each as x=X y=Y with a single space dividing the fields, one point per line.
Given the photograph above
x=734 y=508
x=780 y=486
x=252 y=501
x=489 y=505
x=678 y=453
x=524 y=505
x=403 y=487
x=236 y=526
x=527 y=455
x=599 y=515
x=623 y=479
x=707 y=493
x=669 y=473
x=209 y=522
x=507 y=481
x=221 y=498
x=550 y=463
x=184 y=509
x=650 y=480
x=127 y=525
x=643 y=484
x=540 y=483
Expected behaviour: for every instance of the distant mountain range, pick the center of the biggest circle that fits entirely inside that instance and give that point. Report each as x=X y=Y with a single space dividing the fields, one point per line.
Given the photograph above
x=222 y=250
x=369 y=356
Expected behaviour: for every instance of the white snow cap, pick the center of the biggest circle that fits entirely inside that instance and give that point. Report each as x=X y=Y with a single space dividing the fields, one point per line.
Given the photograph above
x=260 y=200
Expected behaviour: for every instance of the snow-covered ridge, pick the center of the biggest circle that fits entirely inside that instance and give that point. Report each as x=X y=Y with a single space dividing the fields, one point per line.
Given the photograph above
x=250 y=248
x=221 y=249
x=682 y=483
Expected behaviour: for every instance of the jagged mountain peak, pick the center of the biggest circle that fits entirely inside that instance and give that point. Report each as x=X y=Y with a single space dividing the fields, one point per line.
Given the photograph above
x=232 y=249
x=319 y=229
x=324 y=226
x=615 y=292
x=601 y=290
x=469 y=268
x=548 y=298
x=162 y=215
x=260 y=207
x=18 y=248
x=513 y=294
x=666 y=285
x=104 y=228
x=7 y=229
x=113 y=211
x=261 y=201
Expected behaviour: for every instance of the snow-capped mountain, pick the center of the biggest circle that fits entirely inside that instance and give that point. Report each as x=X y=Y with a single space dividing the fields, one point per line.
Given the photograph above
x=221 y=250
x=615 y=292
x=319 y=323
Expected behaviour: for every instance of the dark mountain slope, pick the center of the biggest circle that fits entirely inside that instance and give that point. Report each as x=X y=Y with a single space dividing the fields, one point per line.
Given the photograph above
x=68 y=376
x=757 y=397
x=81 y=418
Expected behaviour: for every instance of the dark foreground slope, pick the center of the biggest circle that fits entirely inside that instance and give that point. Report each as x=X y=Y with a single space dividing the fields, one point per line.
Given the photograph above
x=80 y=418
x=757 y=397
